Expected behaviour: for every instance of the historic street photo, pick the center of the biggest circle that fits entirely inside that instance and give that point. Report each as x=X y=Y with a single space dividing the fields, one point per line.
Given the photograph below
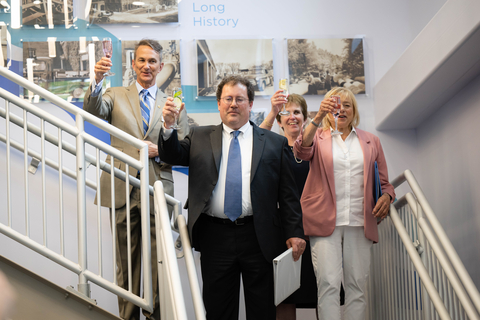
x=61 y=67
x=44 y=12
x=4 y=56
x=249 y=57
x=168 y=78
x=317 y=65
x=131 y=11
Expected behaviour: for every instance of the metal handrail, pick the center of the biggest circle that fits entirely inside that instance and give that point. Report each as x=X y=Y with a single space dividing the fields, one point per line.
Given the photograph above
x=78 y=132
x=176 y=204
x=79 y=150
x=413 y=248
x=457 y=263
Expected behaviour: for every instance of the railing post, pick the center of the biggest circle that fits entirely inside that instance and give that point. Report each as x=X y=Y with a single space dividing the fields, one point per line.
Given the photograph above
x=83 y=286
x=427 y=312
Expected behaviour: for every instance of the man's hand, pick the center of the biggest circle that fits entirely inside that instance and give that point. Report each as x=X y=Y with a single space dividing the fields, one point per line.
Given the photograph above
x=298 y=246
x=102 y=66
x=170 y=113
x=152 y=149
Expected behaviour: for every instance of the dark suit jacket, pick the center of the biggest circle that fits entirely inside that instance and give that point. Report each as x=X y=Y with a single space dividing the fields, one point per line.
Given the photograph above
x=276 y=207
x=120 y=106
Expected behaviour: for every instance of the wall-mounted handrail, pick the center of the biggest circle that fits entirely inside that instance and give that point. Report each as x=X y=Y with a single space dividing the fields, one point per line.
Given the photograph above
x=413 y=249
x=442 y=236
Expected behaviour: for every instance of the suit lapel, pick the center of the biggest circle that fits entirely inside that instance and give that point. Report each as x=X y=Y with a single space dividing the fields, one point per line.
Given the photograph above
x=134 y=99
x=216 y=143
x=257 y=152
x=325 y=145
x=367 y=154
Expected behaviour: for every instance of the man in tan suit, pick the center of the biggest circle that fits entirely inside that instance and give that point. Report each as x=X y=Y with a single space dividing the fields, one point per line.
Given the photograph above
x=137 y=110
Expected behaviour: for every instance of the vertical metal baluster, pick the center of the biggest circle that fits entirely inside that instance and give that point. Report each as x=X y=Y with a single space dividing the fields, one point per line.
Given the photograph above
x=418 y=292
x=7 y=136
x=60 y=191
x=25 y=168
x=113 y=217
x=450 y=300
x=381 y=287
x=44 y=188
x=405 y=270
x=410 y=267
x=83 y=285
x=129 y=236
x=401 y=269
x=99 y=215
x=390 y=275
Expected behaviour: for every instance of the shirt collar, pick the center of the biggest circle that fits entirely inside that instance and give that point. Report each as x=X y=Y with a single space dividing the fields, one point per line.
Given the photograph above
x=353 y=130
x=243 y=129
x=152 y=90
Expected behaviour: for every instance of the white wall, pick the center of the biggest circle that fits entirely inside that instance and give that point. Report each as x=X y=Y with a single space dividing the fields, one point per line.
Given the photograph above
x=388 y=26
x=449 y=153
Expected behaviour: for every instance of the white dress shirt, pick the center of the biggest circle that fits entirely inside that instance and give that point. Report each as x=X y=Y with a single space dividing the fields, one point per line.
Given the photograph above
x=215 y=206
x=348 y=173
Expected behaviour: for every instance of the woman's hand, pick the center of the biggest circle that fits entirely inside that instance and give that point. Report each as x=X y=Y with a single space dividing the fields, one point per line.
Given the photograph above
x=382 y=207
x=278 y=100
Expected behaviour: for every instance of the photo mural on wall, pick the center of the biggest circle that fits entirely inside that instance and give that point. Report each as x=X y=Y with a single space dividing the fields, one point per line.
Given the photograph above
x=168 y=78
x=44 y=12
x=252 y=58
x=317 y=65
x=61 y=67
x=131 y=11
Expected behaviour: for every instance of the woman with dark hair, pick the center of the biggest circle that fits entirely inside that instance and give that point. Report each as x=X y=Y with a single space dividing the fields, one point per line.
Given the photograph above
x=306 y=296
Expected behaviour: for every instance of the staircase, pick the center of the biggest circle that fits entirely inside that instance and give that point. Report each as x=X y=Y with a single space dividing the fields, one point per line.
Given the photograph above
x=51 y=212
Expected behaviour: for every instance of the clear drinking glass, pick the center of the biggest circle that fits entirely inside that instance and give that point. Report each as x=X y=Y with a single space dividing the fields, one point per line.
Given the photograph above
x=284 y=86
x=107 y=52
x=177 y=100
x=336 y=113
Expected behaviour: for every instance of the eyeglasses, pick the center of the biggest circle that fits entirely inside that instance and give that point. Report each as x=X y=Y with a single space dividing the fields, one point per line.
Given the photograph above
x=238 y=100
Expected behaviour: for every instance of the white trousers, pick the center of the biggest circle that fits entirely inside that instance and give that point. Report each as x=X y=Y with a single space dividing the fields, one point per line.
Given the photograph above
x=347 y=246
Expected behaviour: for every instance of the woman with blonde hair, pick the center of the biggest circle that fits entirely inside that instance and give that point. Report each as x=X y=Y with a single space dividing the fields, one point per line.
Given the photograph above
x=339 y=210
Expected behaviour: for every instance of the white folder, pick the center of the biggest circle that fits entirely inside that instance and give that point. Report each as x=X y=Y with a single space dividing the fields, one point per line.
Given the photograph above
x=286 y=275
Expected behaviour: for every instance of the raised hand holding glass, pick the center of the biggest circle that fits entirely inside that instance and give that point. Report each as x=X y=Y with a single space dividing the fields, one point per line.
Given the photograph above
x=107 y=52
x=336 y=113
x=284 y=86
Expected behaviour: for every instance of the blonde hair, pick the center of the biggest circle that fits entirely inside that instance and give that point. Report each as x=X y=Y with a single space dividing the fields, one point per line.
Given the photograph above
x=344 y=93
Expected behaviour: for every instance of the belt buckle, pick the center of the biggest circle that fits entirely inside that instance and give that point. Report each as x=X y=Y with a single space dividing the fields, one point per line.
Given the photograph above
x=238 y=223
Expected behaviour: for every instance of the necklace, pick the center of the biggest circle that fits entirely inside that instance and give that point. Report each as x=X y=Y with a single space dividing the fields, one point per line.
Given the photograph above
x=296 y=160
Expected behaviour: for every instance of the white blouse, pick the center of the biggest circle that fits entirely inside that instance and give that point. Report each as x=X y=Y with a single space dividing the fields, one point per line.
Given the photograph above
x=348 y=173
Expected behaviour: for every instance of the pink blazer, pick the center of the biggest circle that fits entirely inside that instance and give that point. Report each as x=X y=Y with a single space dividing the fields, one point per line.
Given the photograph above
x=318 y=197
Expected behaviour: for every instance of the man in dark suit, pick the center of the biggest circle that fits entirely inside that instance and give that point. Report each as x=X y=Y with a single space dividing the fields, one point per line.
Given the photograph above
x=244 y=208
x=137 y=111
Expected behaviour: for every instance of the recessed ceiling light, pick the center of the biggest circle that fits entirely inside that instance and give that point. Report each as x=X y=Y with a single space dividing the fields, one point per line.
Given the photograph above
x=37 y=2
x=135 y=26
x=138 y=3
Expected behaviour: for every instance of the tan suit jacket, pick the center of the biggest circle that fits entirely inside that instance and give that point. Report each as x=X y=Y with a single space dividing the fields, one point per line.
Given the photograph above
x=120 y=106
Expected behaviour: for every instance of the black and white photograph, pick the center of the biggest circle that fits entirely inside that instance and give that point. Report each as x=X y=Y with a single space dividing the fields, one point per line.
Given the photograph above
x=131 y=11
x=168 y=78
x=44 y=12
x=317 y=65
x=249 y=57
x=4 y=45
x=61 y=67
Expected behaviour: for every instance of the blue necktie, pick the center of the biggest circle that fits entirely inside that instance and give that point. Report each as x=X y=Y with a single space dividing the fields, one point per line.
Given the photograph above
x=145 y=106
x=233 y=182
